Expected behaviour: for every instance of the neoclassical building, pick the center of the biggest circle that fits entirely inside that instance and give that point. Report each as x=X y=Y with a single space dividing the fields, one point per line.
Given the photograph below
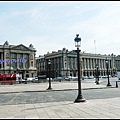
x=64 y=63
x=18 y=59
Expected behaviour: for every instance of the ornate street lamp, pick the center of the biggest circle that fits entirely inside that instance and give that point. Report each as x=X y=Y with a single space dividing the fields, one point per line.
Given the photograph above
x=77 y=44
x=49 y=65
x=108 y=84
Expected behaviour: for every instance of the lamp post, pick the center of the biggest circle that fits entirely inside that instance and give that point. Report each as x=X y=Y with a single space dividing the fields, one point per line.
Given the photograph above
x=9 y=70
x=108 y=84
x=17 y=71
x=77 y=44
x=49 y=64
x=97 y=75
x=114 y=72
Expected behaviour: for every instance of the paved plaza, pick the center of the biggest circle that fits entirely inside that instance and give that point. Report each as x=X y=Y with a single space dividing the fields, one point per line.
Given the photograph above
x=108 y=108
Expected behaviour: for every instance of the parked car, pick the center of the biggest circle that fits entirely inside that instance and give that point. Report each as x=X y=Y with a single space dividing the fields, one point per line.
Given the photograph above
x=71 y=78
x=74 y=78
x=29 y=79
x=24 y=80
x=68 y=78
x=90 y=77
x=85 y=77
x=58 y=79
x=48 y=79
x=104 y=76
x=35 y=79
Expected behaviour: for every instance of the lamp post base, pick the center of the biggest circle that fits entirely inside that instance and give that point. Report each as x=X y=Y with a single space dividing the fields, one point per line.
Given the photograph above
x=97 y=83
x=79 y=99
x=49 y=88
x=108 y=85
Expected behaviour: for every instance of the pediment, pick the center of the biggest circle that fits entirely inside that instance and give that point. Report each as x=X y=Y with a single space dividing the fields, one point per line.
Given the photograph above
x=20 y=47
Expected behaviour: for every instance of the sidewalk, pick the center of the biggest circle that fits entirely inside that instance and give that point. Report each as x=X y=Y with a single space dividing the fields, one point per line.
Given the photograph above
x=94 y=108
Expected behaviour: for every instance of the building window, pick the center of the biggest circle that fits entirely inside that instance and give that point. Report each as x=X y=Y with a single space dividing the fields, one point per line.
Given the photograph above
x=19 y=56
x=26 y=65
x=65 y=65
x=31 y=63
x=20 y=65
x=14 y=65
x=26 y=56
x=31 y=57
x=14 y=56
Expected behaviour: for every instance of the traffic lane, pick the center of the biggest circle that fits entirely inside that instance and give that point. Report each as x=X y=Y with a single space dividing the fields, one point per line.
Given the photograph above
x=57 y=96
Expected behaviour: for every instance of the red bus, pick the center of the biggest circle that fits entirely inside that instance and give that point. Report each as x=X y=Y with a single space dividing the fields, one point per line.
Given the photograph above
x=7 y=78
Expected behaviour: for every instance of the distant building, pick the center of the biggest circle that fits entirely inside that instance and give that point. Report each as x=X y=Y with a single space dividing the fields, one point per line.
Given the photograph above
x=117 y=62
x=18 y=59
x=64 y=63
x=40 y=65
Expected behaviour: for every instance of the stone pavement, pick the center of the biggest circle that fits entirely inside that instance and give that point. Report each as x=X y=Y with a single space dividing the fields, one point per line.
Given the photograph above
x=95 y=108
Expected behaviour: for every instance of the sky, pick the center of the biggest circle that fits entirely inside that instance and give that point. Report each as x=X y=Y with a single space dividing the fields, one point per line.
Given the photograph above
x=53 y=25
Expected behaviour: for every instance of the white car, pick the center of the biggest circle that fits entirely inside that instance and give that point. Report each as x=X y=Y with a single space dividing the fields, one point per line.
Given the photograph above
x=71 y=78
x=85 y=77
x=24 y=80
x=29 y=79
x=74 y=78
x=35 y=79
x=68 y=78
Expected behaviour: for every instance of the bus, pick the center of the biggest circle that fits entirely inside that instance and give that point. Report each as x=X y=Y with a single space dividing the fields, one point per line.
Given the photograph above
x=9 y=78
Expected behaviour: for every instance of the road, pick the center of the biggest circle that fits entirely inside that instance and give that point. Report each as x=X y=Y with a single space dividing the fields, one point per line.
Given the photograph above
x=58 y=96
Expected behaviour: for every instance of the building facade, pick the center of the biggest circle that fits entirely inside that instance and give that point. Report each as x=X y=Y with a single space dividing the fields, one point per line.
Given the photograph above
x=18 y=59
x=64 y=63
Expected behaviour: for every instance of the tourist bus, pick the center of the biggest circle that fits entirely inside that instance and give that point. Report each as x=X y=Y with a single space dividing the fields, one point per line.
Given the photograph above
x=9 y=78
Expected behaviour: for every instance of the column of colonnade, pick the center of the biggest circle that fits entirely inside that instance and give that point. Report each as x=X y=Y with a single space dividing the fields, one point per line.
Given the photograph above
x=91 y=67
x=90 y=63
x=88 y=66
x=59 y=62
x=99 y=67
x=17 y=62
x=1 y=59
x=56 y=62
x=102 y=64
x=85 y=74
x=104 y=68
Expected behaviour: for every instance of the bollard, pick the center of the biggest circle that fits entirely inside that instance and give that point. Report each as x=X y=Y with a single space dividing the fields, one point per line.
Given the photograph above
x=116 y=84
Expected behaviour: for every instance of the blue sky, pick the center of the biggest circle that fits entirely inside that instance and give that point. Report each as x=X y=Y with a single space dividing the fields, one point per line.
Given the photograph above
x=53 y=25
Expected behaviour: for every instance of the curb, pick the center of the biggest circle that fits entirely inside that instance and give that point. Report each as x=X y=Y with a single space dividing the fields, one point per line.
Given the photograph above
x=56 y=90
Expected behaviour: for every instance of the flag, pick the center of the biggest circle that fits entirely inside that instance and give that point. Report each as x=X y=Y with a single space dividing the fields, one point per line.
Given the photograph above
x=94 y=41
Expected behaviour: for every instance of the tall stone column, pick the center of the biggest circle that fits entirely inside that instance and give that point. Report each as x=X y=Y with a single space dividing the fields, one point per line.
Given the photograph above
x=85 y=63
